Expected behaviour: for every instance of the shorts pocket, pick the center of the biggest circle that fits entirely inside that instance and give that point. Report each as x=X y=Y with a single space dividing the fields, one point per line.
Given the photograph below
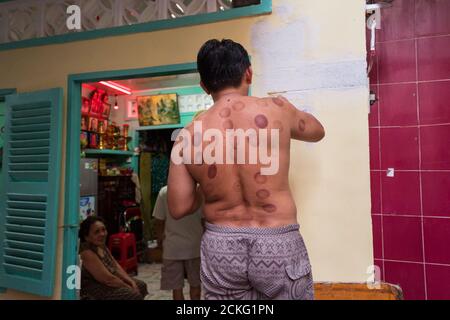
x=301 y=284
x=298 y=270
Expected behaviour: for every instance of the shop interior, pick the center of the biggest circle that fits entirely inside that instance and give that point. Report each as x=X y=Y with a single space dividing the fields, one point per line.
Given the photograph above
x=125 y=140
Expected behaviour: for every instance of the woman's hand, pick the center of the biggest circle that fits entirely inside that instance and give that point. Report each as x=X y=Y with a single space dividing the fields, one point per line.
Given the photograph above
x=134 y=286
x=130 y=283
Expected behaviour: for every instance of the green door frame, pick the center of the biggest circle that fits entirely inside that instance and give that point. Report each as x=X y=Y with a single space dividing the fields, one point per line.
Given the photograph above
x=5 y=92
x=72 y=172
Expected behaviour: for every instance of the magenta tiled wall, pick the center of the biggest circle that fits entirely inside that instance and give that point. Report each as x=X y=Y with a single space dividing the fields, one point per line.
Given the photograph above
x=409 y=130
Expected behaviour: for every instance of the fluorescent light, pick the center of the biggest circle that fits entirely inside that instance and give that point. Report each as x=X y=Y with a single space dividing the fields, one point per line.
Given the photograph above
x=116 y=86
x=173 y=16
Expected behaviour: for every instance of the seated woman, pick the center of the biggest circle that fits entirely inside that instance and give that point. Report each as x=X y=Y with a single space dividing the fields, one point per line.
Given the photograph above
x=102 y=278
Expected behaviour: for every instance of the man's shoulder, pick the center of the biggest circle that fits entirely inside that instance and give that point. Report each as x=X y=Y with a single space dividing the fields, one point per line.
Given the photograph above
x=274 y=100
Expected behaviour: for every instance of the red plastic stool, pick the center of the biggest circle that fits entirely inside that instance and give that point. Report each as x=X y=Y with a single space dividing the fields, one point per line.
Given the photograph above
x=123 y=249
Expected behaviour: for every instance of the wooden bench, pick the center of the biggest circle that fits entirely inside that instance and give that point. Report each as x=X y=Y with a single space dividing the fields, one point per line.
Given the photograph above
x=356 y=291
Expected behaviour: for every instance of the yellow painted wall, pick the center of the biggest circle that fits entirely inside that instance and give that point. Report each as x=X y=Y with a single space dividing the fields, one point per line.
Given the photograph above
x=313 y=51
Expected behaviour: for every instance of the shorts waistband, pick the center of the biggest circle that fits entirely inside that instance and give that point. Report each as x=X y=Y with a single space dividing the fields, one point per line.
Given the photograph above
x=252 y=230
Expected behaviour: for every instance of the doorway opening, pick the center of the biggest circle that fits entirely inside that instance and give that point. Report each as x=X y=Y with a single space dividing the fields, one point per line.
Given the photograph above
x=117 y=121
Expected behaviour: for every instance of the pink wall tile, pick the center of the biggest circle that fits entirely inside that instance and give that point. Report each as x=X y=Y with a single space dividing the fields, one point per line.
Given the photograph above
x=433 y=58
x=437 y=235
x=373 y=114
x=410 y=277
x=435 y=143
x=402 y=238
x=375 y=193
x=432 y=17
x=434 y=102
x=377 y=237
x=400 y=148
x=398 y=105
x=401 y=193
x=374 y=149
x=402 y=235
x=436 y=194
x=398 y=21
x=397 y=61
x=438 y=279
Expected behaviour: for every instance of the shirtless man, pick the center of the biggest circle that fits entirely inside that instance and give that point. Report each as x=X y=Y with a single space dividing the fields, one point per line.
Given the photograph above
x=252 y=248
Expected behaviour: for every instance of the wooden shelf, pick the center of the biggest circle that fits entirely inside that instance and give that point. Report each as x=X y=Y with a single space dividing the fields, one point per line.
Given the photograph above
x=105 y=152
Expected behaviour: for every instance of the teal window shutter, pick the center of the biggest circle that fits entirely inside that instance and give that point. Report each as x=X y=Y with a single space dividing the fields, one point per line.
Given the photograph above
x=29 y=201
x=2 y=128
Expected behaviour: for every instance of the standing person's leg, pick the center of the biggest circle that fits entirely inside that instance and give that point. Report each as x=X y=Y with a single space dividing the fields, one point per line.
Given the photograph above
x=195 y=293
x=172 y=278
x=192 y=268
x=177 y=294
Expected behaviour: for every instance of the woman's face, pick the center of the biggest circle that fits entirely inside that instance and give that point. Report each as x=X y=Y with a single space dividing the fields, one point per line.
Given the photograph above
x=97 y=234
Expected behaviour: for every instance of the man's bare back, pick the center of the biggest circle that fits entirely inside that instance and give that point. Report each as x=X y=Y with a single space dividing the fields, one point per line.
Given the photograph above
x=244 y=187
x=241 y=194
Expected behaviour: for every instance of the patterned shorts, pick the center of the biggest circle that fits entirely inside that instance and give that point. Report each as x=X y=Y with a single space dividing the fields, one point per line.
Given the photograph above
x=255 y=264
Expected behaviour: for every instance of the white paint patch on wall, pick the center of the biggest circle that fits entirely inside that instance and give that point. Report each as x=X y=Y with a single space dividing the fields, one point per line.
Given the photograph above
x=306 y=100
x=285 y=62
x=273 y=77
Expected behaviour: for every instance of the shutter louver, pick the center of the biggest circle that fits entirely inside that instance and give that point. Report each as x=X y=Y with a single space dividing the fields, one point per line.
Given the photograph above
x=31 y=175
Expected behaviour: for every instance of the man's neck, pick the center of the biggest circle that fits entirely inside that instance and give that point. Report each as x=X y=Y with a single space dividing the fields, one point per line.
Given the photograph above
x=230 y=92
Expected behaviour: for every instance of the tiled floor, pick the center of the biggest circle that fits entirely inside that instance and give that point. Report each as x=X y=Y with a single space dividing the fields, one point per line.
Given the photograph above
x=151 y=274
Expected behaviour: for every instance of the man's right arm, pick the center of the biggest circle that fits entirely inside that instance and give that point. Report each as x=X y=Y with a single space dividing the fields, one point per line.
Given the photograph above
x=304 y=126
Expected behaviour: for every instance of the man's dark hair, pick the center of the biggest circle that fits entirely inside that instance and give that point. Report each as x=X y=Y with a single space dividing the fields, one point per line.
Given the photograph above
x=222 y=64
x=85 y=226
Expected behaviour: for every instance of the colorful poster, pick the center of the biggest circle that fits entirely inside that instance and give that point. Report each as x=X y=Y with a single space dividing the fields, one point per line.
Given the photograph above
x=158 y=110
x=87 y=207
